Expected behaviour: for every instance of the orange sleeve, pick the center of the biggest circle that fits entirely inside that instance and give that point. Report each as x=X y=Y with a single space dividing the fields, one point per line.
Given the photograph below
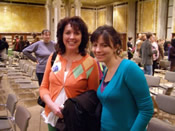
x=93 y=80
x=44 y=88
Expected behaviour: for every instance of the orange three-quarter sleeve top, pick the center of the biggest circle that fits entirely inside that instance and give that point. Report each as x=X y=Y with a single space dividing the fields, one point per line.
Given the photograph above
x=83 y=76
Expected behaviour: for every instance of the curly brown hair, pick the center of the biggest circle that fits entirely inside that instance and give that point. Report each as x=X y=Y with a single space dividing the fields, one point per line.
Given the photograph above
x=77 y=24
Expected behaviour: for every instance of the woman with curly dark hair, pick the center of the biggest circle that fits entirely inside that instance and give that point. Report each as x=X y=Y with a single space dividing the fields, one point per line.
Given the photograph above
x=73 y=71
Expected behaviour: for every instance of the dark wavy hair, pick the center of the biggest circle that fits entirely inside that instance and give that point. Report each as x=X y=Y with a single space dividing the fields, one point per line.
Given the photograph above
x=109 y=34
x=77 y=24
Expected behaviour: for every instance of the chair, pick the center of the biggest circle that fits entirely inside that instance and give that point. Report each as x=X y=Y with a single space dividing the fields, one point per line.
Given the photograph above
x=10 y=105
x=137 y=60
x=164 y=64
x=22 y=117
x=166 y=104
x=153 y=83
x=158 y=125
x=169 y=76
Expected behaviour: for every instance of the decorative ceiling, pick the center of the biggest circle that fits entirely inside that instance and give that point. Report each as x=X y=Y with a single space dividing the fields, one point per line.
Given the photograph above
x=84 y=2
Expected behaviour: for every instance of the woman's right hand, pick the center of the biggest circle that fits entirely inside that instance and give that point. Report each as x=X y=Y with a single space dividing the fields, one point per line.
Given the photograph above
x=56 y=110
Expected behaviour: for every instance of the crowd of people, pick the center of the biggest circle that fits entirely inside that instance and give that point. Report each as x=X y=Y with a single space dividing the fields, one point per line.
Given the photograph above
x=19 y=43
x=151 y=50
x=67 y=74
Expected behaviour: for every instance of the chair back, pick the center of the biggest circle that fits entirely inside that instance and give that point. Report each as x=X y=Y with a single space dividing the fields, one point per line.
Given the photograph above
x=137 y=59
x=166 y=103
x=22 y=117
x=164 y=64
x=170 y=76
x=11 y=103
x=159 y=125
x=152 y=81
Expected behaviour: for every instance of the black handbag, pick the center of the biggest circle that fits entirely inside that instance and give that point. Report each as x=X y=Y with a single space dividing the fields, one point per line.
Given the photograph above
x=40 y=102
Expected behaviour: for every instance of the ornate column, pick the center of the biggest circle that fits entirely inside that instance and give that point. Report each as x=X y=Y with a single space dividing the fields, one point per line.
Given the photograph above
x=162 y=18
x=48 y=7
x=77 y=7
x=131 y=19
x=57 y=16
x=109 y=16
x=67 y=8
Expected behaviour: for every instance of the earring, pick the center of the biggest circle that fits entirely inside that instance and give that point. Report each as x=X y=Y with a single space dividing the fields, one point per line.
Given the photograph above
x=118 y=51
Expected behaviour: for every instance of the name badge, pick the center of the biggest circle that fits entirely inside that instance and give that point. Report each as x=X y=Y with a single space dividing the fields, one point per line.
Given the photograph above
x=56 y=67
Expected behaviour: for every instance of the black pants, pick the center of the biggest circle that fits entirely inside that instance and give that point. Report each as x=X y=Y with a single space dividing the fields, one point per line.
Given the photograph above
x=154 y=65
x=40 y=77
x=130 y=55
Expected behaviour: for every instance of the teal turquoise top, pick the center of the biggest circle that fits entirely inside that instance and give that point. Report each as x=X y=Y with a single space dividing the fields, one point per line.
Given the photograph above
x=126 y=101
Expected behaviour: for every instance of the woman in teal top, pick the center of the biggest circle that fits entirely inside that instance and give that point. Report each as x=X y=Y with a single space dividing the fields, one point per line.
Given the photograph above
x=123 y=92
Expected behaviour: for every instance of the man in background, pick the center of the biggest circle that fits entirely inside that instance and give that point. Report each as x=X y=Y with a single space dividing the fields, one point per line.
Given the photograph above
x=146 y=53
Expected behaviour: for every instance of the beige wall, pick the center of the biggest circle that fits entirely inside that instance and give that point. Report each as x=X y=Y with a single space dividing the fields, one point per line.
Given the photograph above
x=89 y=16
x=72 y=12
x=147 y=16
x=21 y=18
x=101 y=17
x=62 y=13
x=27 y=18
x=120 y=18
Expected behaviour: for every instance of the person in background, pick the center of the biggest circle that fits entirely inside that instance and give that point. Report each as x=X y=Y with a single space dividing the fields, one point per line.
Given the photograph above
x=130 y=49
x=139 y=38
x=16 y=43
x=6 y=45
x=155 y=55
x=139 y=44
x=3 y=49
x=73 y=72
x=42 y=50
x=21 y=43
x=161 y=51
x=172 y=55
x=35 y=38
x=136 y=53
x=146 y=53
x=123 y=92
x=166 y=45
x=26 y=42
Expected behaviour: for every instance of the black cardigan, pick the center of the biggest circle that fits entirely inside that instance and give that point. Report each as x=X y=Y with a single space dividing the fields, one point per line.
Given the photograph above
x=82 y=113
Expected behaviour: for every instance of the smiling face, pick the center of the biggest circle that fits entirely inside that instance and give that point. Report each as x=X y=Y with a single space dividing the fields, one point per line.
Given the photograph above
x=71 y=38
x=102 y=51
